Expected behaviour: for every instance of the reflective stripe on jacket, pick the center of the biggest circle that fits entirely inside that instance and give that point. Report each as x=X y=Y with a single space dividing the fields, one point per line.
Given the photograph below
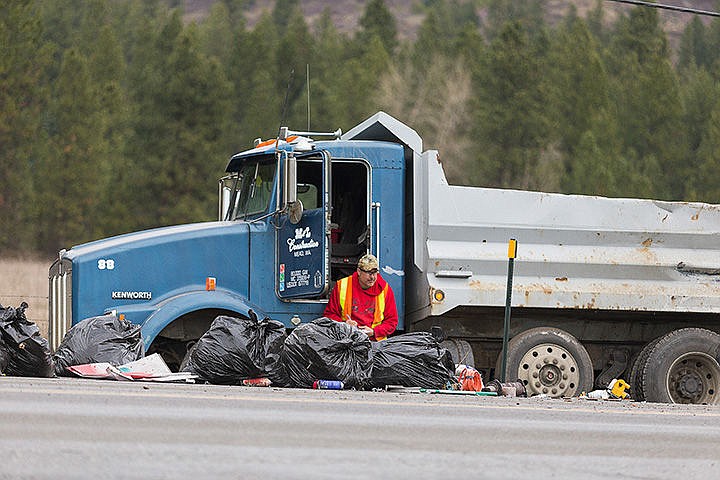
x=345 y=286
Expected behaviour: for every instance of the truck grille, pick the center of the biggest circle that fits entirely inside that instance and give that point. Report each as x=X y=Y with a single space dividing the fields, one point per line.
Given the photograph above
x=60 y=301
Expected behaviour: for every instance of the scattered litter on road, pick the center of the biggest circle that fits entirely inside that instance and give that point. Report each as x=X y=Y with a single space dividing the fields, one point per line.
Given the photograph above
x=616 y=390
x=257 y=382
x=150 y=368
x=469 y=378
x=328 y=385
x=458 y=392
x=508 y=389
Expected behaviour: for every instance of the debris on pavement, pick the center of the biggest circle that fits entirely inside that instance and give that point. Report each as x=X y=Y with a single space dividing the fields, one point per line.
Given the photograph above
x=469 y=378
x=616 y=390
x=257 y=382
x=507 y=389
x=459 y=392
x=150 y=368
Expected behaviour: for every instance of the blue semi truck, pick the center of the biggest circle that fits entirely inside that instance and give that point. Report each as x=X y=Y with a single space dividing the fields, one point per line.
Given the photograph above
x=603 y=287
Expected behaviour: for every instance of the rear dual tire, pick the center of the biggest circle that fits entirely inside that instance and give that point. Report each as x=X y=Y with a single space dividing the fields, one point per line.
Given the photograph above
x=680 y=367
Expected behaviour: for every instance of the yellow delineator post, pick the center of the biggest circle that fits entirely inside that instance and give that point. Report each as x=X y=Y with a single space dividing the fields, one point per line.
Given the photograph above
x=512 y=253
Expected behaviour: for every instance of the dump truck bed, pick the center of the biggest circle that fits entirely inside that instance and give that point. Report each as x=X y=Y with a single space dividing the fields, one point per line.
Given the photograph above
x=575 y=251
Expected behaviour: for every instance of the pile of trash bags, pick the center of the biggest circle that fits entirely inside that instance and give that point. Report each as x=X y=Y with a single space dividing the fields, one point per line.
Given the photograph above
x=237 y=351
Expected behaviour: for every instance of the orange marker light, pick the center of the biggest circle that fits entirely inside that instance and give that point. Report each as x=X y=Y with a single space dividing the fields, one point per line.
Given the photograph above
x=210 y=284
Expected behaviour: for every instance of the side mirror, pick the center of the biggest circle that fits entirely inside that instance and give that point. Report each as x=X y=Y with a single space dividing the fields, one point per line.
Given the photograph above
x=295 y=212
x=290 y=200
x=225 y=189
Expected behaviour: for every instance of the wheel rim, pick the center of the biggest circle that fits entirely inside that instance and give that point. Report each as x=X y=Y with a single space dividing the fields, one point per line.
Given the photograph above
x=549 y=369
x=694 y=378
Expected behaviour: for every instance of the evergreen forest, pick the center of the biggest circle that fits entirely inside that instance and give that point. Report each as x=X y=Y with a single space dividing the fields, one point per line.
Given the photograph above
x=118 y=115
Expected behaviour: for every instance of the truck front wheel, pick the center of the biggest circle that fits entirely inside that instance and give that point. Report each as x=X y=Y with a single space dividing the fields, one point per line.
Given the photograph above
x=548 y=361
x=683 y=367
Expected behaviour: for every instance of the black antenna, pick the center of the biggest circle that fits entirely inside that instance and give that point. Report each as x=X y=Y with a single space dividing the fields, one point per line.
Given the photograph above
x=285 y=104
x=668 y=7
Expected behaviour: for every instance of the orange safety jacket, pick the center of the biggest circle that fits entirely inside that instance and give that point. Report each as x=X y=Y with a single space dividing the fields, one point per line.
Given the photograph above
x=345 y=286
x=374 y=307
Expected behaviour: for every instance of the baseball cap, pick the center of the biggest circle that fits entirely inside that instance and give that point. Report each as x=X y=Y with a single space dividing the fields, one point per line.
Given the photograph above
x=368 y=262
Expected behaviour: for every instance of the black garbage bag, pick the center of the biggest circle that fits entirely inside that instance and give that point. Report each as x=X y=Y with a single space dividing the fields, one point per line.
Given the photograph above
x=106 y=338
x=235 y=349
x=327 y=350
x=412 y=360
x=4 y=357
x=24 y=352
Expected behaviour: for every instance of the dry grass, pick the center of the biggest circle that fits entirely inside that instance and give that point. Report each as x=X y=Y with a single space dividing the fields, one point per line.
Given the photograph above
x=26 y=280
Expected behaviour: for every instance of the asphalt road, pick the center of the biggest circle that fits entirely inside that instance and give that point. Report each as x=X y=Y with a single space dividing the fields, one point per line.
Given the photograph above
x=74 y=428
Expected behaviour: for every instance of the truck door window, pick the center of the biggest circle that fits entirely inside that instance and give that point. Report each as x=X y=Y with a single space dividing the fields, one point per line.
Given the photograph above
x=309 y=176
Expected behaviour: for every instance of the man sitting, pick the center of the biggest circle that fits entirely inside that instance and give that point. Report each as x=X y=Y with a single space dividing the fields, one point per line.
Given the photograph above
x=364 y=300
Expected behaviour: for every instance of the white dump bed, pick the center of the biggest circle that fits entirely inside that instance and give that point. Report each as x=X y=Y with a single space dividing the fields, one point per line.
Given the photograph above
x=574 y=251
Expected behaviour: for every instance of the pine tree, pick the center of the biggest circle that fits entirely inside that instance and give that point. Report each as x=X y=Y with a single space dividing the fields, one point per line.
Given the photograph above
x=597 y=165
x=648 y=103
x=528 y=13
x=326 y=87
x=693 y=46
x=444 y=24
x=283 y=12
x=259 y=86
x=179 y=144
x=216 y=33
x=708 y=187
x=512 y=121
x=70 y=197
x=378 y=20
x=699 y=92
x=579 y=84
x=24 y=57
x=360 y=77
x=713 y=48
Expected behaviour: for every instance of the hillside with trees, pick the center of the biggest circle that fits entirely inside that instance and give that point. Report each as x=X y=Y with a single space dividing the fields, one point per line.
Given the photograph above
x=119 y=116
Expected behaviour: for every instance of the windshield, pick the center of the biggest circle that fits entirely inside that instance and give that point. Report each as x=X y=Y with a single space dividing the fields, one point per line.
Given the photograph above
x=252 y=191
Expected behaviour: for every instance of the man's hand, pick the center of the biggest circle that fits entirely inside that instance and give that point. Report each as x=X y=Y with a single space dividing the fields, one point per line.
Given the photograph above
x=350 y=321
x=367 y=330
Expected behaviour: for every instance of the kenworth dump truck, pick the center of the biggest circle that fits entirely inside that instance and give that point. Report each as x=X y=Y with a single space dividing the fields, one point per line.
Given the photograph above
x=603 y=288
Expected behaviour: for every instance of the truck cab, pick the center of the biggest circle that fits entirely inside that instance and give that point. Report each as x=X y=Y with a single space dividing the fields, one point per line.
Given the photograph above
x=295 y=215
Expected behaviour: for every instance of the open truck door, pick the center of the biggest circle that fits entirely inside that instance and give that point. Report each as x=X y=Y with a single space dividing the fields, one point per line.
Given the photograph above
x=302 y=247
